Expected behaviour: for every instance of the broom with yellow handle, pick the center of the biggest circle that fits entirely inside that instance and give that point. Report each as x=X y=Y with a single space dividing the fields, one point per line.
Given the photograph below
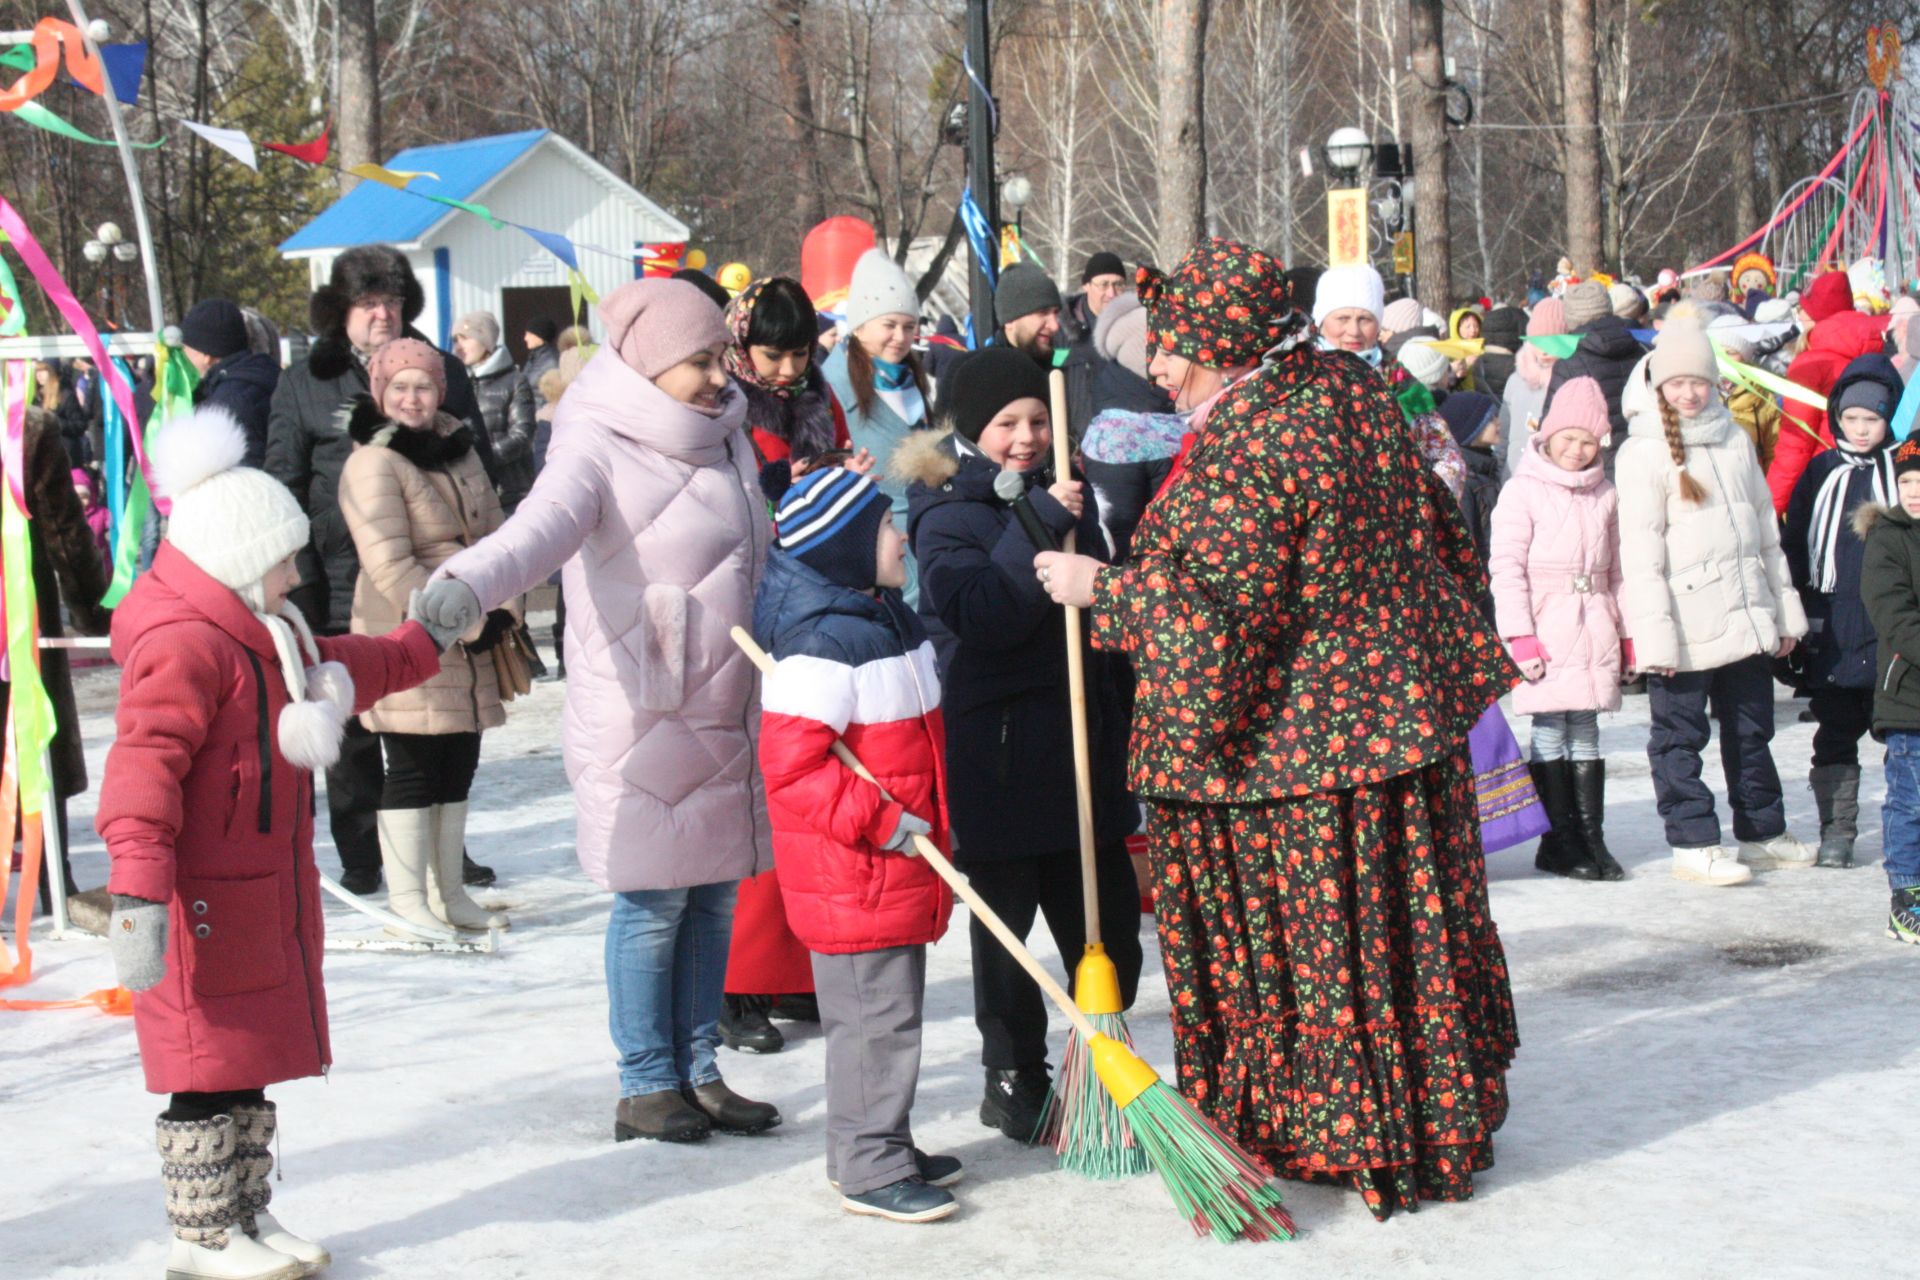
x=1081 y=1122
x=1218 y=1187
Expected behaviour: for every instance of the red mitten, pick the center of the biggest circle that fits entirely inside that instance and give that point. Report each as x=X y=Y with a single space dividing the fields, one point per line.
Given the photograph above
x=1526 y=649
x=1626 y=655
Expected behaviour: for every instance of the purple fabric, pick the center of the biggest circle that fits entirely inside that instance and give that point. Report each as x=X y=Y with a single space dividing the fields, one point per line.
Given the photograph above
x=1510 y=809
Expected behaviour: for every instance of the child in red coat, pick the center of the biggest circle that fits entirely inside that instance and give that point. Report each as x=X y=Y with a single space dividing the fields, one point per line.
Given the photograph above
x=227 y=705
x=854 y=663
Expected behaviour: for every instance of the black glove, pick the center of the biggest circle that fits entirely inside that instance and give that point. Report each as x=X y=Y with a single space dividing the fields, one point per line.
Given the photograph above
x=499 y=623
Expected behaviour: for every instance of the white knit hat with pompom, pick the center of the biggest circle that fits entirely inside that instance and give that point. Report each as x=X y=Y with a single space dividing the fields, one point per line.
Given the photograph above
x=232 y=521
x=236 y=523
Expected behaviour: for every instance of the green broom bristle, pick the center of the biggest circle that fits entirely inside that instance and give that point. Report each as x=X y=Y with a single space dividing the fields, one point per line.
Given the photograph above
x=1218 y=1186
x=1082 y=1123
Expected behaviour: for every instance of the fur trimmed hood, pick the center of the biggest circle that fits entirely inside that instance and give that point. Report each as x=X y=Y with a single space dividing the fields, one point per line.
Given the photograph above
x=925 y=457
x=449 y=441
x=1867 y=517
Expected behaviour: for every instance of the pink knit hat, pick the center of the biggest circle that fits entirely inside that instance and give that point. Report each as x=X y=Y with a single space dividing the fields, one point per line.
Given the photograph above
x=1579 y=403
x=405 y=353
x=1549 y=318
x=655 y=324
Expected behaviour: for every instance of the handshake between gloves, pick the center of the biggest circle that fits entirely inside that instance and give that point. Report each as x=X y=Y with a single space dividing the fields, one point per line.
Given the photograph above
x=447 y=608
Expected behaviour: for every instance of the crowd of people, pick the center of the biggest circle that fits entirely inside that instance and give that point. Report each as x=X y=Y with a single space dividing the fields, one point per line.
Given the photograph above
x=1320 y=534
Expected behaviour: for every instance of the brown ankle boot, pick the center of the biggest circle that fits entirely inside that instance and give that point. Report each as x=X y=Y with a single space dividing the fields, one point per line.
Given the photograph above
x=663 y=1116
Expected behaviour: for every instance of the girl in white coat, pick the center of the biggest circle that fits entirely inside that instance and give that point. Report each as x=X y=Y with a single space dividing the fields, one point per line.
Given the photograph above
x=1707 y=598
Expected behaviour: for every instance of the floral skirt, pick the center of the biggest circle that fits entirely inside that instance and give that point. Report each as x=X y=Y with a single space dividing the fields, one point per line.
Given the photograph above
x=1340 y=997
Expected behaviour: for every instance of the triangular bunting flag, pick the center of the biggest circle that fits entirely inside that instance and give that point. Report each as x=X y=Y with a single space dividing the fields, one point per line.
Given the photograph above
x=232 y=141
x=314 y=152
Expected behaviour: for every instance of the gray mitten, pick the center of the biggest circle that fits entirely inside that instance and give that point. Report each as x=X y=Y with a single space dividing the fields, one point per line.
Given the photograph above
x=137 y=937
x=901 y=841
x=448 y=609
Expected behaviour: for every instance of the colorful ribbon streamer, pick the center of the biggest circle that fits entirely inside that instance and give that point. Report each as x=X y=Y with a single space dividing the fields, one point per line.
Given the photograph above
x=173 y=380
x=114 y=430
x=1905 y=412
x=75 y=315
x=35 y=114
x=54 y=40
x=29 y=707
x=477 y=210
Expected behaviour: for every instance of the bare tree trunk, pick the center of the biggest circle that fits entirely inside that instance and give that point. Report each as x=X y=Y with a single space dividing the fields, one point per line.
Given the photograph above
x=1582 y=149
x=809 y=197
x=1427 y=112
x=1182 y=139
x=1746 y=138
x=359 y=95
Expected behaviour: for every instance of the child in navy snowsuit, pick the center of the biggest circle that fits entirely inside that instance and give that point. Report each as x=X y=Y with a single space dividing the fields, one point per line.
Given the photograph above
x=855 y=664
x=1825 y=555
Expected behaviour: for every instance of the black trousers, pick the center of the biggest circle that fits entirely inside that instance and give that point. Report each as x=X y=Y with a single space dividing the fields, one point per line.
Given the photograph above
x=1007 y=1005
x=353 y=795
x=426 y=769
x=1739 y=696
x=1842 y=717
x=205 y=1106
x=560 y=626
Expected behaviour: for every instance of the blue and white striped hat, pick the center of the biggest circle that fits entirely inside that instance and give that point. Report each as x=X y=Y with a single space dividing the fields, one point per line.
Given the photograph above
x=830 y=521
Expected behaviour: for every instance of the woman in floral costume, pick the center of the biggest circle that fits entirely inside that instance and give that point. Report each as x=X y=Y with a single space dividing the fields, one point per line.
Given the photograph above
x=1299 y=612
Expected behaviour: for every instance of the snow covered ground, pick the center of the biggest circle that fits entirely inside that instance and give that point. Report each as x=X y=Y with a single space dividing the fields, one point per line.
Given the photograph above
x=1710 y=1083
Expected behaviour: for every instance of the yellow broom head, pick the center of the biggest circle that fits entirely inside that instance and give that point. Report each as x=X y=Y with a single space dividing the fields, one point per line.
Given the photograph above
x=1096 y=982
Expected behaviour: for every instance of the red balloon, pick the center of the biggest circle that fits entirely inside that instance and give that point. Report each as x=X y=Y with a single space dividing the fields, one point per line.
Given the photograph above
x=827 y=256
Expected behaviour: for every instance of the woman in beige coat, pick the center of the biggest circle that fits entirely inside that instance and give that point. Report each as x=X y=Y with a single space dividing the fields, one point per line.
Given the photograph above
x=414 y=493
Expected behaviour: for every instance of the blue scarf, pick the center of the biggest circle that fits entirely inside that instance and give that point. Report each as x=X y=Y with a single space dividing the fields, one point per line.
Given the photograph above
x=889 y=376
x=1372 y=355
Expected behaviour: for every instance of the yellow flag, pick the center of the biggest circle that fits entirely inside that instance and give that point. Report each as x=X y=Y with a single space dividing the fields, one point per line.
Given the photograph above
x=395 y=178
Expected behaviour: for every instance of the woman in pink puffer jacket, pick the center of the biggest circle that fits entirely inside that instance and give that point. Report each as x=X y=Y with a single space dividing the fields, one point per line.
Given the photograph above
x=1555 y=563
x=649 y=505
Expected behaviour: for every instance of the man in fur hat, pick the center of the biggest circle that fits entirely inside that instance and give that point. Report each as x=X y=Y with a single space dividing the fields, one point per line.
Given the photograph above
x=370 y=299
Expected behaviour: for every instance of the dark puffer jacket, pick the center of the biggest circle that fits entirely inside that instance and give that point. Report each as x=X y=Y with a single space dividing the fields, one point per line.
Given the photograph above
x=506 y=406
x=1607 y=353
x=1890 y=589
x=307 y=445
x=243 y=384
x=1009 y=735
x=1840 y=641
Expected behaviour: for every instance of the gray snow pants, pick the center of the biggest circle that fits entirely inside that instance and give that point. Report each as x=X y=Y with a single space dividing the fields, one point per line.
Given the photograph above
x=870 y=1011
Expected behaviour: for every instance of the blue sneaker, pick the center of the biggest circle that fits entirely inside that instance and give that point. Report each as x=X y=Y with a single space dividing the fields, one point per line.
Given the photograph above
x=908 y=1200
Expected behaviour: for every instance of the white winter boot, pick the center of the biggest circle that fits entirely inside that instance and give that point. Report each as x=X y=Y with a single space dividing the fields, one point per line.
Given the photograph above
x=253 y=1129
x=197 y=1168
x=447 y=890
x=406 y=849
x=1710 y=865
x=1782 y=853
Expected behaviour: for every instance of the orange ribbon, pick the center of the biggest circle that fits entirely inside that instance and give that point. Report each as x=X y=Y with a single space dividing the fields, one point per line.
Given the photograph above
x=51 y=37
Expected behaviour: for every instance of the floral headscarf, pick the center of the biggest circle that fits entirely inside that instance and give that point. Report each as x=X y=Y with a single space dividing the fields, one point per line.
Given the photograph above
x=739 y=360
x=1223 y=306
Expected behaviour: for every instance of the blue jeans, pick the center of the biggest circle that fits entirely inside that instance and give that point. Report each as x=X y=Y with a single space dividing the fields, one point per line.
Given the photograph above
x=666 y=975
x=1900 y=814
x=1566 y=735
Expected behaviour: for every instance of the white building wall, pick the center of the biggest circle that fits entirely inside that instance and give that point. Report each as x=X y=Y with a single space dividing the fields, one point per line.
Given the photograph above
x=552 y=193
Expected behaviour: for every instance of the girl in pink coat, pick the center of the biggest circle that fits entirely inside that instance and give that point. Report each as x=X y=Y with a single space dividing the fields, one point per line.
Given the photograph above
x=227 y=705
x=1555 y=562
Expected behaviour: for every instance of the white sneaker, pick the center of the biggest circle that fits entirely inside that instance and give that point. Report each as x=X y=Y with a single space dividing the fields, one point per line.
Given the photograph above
x=244 y=1258
x=1710 y=865
x=313 y=1258
x=1782 y=853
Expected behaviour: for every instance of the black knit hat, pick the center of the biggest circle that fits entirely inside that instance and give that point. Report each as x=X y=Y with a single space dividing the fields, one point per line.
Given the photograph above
x=544 y=329
x=215 y=328
x=1907 y=457
x=1505 y=327
x=705 y=284
x=1103 y=264
x=984 y=383
x=1023 y=290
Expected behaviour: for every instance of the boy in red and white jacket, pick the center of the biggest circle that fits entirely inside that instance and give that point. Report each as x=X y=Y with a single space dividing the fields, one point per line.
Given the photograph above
x=855 y=664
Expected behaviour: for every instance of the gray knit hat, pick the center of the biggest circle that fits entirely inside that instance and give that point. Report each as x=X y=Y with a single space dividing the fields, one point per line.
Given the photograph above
x=481 y=327
x=1023 y=290
x=1586 y=302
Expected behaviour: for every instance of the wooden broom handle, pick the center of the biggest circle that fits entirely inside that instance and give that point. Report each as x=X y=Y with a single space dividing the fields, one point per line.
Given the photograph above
x=930 y=851
x=1077 y=685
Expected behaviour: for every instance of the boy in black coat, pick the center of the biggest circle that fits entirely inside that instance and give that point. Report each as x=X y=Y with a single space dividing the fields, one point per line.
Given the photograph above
x=1009 y=736
x=1890 y=585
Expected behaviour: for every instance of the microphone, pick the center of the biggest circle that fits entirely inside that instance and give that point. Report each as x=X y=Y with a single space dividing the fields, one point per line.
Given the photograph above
x=1011 y=488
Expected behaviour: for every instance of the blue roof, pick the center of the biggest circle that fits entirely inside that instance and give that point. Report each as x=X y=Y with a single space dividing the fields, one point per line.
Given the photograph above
x=375 y=214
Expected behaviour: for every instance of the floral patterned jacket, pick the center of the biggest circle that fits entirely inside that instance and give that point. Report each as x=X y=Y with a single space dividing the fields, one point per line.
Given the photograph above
x=1299 y=609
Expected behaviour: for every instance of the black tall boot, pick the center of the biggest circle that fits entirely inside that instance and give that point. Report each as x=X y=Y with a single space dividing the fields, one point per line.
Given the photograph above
x=1590 y=806
x=1836 y=791
x=1562 y=852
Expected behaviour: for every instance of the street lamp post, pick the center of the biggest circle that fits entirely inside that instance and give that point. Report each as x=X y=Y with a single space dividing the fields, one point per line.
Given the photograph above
x=114 y=255
x=1017 y=191
x=1346 y=150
